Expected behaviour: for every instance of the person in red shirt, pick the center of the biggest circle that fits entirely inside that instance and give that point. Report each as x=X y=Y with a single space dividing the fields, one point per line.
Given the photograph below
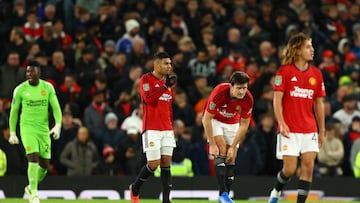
x=228 y=105
x=298 y=105
x=158 y=135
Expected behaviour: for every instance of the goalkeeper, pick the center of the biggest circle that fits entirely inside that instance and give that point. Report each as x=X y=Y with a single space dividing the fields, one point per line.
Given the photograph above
x=34 y=97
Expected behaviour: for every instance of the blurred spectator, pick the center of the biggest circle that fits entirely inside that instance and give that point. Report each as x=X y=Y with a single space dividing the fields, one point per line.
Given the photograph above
x=249 y=160
x=95 y=112
x=61 y=69
x=134 y=120
x=201 y=65
x=138 y=54
x=80 y=156
x=32 y=28
x=69 y=91
x=69 y=129
x=182 y=109
x=86 y=68
x=11 y=74
x=252 y=70
x=182 y=137
x=348 y=112
x=16 y=43
x=265 y=135
x=47 y=42
x=108 y=55
x=115 y=71
x=331 y=153
x=266 y=54
x=235 y=58
x=170 y=43
x=352 y=134
x=109 y=139
x=33 y=50
x=65 y=39
x=126 y=82
x=125 y=43
x=91 y=6
x=264 y=104
x=16 y=163
x=130 y=152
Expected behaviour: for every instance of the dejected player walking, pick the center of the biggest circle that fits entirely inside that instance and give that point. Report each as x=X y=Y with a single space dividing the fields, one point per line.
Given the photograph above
x=158 y=135
x=34 y=97
x=229 y=105
x=298 y=93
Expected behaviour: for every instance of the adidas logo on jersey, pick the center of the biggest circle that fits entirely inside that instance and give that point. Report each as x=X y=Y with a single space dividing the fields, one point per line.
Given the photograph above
x=294 y=79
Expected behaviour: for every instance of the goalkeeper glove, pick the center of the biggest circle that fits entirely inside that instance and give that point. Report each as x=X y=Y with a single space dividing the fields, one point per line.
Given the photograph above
x=13 y=139
x=55 y=131
x=170 y=80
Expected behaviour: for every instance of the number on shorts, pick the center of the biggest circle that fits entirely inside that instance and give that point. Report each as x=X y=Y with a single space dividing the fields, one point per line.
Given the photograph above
x=314 y=137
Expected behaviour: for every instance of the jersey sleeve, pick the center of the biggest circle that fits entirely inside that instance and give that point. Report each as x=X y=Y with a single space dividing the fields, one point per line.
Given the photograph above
x=321 y=86
x=15 y=106
x=54 y=102
x=213 y=102
x=148 y=93
x=280 y=80
x=246 y=111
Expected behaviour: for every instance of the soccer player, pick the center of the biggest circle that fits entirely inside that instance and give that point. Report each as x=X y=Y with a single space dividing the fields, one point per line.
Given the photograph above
x=299 y=109
x=229 y=105
x=34 y=97
x=158 y=135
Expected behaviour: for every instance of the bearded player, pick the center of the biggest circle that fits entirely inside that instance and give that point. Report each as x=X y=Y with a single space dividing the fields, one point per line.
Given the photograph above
x=226 y=119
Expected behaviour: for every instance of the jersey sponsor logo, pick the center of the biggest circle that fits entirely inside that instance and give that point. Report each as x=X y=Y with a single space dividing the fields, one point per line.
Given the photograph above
x=294 y=79
x=146 y=87
x=278 y=80
x=302 y=92
x=165 y=97
x=43 y=92
x=212 y=106
x=41 y=102
x=226 y=114
x=312 y=81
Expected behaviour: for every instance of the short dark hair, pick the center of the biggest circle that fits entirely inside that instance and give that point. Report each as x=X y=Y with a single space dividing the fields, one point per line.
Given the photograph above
x=33 y=63
x=239 y=77
x=161 y=55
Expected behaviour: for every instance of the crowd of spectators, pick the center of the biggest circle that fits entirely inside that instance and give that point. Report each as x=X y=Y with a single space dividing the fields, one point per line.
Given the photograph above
x=94 y=52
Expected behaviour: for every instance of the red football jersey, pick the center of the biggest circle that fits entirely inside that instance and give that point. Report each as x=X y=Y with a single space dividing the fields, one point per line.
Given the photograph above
x=157 y=103
x=300 y=88
x=226 y=109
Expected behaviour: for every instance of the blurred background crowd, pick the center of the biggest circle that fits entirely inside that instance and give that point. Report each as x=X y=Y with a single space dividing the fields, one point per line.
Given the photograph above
x=94 y=51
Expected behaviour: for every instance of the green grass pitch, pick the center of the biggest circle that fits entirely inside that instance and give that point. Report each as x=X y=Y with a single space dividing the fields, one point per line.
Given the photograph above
x=13 y=200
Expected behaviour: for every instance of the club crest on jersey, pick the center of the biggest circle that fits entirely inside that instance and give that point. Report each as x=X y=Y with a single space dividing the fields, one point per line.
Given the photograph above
x=146 y=87
x=238 y=108
x=278 y=80
x=285 y=147
x=43 y=92
x=312 y=81
x=212 y=106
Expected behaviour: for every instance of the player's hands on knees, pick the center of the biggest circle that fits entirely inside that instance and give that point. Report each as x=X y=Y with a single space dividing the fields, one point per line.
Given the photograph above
x=230 y=154
x=214 y=150
x=55 y=131
x=13 y=139
x=170 y=80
